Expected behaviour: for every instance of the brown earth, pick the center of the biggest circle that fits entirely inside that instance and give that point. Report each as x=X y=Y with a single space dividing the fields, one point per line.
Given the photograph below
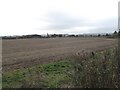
x=24 y=53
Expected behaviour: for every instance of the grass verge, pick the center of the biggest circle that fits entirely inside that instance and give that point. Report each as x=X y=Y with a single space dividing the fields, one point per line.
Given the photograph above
x=50 y=75
x=84 y=70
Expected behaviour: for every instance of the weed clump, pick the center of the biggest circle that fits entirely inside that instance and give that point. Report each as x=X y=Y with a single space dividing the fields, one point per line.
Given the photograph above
x=96 y=69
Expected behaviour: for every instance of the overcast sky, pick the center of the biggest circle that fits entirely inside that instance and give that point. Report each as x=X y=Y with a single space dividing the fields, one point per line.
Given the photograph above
x=20 y=17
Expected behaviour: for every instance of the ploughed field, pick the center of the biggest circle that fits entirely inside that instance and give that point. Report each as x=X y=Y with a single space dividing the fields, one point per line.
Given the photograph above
x=22 y=53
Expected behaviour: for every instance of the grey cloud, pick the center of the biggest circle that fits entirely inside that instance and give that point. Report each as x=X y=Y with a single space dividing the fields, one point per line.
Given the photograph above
x=103 y=30
x=105 y=26
x=112 y=22
x=61 y=21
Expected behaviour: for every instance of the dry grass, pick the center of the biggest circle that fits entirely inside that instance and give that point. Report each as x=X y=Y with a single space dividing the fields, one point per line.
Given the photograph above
x=96 y=70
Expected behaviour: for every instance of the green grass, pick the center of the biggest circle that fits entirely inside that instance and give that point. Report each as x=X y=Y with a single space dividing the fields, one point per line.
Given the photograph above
x=48 y=75
x=56 y=73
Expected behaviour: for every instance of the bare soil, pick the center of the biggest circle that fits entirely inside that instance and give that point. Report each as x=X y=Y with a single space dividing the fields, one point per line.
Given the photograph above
x=22 y=53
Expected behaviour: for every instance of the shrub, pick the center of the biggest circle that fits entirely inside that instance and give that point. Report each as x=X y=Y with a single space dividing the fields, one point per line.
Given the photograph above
x=96 y=69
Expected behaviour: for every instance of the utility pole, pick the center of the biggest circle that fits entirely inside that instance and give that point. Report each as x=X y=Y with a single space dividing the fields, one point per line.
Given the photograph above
x=118 y=51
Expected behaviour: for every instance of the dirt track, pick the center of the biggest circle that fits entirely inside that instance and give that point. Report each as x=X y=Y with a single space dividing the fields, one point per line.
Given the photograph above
x=28 y=52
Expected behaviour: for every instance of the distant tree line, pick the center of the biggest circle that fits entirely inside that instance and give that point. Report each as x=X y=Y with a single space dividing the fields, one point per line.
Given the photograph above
x=113 y=35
